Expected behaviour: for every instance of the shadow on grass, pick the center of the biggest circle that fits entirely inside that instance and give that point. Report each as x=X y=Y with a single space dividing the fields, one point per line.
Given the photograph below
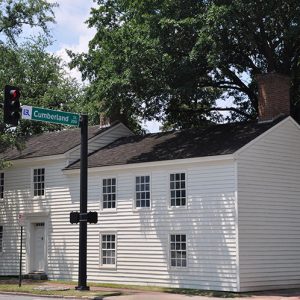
x=11 y=280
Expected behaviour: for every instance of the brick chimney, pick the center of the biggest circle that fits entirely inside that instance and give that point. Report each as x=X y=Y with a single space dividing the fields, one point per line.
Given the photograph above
x=104 y=121
x=273 y=96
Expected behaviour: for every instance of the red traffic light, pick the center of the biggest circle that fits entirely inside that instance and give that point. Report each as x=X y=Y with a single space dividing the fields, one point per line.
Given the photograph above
x=11 y=105
x=14 y=94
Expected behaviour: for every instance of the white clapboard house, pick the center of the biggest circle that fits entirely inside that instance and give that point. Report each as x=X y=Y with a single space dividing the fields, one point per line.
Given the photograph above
x=214 y=208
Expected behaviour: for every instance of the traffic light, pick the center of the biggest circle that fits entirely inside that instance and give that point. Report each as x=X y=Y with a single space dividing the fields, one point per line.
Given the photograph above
x=11 y=105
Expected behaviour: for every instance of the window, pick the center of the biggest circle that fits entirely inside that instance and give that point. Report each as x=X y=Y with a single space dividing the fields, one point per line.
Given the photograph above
x=142 y=191
x=39 y=182
x=1 y=186
x=109 y=193
x=177 y=189
x=178 y=250
x=108 y=250
x=1 y=239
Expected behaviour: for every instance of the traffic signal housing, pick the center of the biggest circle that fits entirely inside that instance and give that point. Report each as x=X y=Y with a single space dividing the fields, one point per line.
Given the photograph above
x=12 y=106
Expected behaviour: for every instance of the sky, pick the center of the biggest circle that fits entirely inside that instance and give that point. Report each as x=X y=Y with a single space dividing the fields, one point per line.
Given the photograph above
x=71 y=32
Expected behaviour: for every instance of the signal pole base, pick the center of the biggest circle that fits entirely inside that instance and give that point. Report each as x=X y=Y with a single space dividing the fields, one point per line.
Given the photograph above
x=82 y=288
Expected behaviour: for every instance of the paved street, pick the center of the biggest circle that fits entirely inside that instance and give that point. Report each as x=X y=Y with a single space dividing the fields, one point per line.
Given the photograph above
x=293 y=294
x=21 y=297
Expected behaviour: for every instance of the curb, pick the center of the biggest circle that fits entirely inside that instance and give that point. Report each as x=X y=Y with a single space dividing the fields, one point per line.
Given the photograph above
x=56 y=296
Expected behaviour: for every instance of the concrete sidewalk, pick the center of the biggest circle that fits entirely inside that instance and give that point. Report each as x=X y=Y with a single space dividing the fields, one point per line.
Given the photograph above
x=133 y=294
x=292 y=294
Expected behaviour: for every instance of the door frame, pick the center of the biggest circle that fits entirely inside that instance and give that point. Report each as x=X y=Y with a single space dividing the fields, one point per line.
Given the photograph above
x=31 y=219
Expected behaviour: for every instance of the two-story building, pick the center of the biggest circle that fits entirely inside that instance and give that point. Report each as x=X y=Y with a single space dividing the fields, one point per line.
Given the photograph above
x=213 y=208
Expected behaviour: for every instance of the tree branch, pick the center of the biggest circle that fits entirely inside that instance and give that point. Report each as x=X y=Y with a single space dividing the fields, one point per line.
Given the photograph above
x=201 y=111
x=231 y=109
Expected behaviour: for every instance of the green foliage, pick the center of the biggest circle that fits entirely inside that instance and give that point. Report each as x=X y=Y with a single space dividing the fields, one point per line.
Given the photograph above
x=172 y=60
x=40 y=75
x=14 y=14
x=43 y=82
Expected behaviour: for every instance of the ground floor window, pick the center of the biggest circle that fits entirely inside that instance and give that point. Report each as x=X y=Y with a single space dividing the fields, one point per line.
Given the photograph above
x=108 y=250
x=1 y=239
x=178 y=250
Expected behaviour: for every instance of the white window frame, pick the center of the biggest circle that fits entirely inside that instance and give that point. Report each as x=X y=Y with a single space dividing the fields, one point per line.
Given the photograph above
x=101 y=193
x=169 y=189
x=2 y=186
x=135 y=192
x=2 y=241
x=107 y=266
x=181 y=268
x=32 y=183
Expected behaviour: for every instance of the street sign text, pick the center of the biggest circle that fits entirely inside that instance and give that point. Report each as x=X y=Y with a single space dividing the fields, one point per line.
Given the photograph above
x=50 y=116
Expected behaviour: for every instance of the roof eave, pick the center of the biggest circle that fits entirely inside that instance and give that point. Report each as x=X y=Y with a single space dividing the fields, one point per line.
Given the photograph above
x=112 y=127
x=29 y=160
x=215 y=158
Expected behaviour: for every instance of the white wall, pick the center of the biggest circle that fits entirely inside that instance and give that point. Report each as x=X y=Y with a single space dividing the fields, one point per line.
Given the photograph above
x=269 y=209
x=143 y=247
x=18 y=198
x=142 y=253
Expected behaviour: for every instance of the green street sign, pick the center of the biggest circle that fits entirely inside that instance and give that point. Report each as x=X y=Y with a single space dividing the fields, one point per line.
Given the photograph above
x=50 y=116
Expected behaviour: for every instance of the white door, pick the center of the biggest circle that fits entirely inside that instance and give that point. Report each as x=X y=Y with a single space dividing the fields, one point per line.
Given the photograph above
x=39 y=247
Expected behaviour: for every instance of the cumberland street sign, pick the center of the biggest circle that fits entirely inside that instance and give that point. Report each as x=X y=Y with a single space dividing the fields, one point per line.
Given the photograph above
x=50 y=116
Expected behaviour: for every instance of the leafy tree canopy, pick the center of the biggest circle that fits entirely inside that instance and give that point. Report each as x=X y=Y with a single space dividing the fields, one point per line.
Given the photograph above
x=171 y=60
x=14 y=14
x=40 y=75
x=43 y=82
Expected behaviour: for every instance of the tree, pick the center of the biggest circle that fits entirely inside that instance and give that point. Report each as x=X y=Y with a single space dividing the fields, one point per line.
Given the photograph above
x=43 y=82
x=172 y=60
x=15 y=14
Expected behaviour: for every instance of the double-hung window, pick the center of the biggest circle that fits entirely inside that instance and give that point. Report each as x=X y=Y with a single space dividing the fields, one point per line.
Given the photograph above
x=39 y=182
x=178 y=189
x=109 y=193
x=108 y=250
x=1 y=238
x=1 y=186
x=142 y=191
x=178 y=250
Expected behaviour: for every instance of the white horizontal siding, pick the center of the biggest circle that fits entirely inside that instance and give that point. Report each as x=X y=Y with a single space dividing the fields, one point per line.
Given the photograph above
x=143 y=249
x=268 y=210
x=209 y=221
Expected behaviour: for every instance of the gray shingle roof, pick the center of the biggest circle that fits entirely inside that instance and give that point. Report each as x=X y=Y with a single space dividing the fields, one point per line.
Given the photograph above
x=214 y=140
x=51 y=143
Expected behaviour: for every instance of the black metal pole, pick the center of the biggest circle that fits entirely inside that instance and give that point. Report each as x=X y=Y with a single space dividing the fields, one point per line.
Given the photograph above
x=82 y=277
x=21 y=250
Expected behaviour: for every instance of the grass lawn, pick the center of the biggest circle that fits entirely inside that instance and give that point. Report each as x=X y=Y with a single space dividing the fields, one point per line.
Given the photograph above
x=8 y=284
x=192 y=292
x=30 y=287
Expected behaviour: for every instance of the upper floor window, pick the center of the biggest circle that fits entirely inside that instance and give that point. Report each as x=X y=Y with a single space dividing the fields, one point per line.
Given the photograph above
x=109 y=193
x=1 y=186
x=178 y=250
x=39 y=182
x=178 y=189
x=1 y=239
x=142 y=191
x=108 y=250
